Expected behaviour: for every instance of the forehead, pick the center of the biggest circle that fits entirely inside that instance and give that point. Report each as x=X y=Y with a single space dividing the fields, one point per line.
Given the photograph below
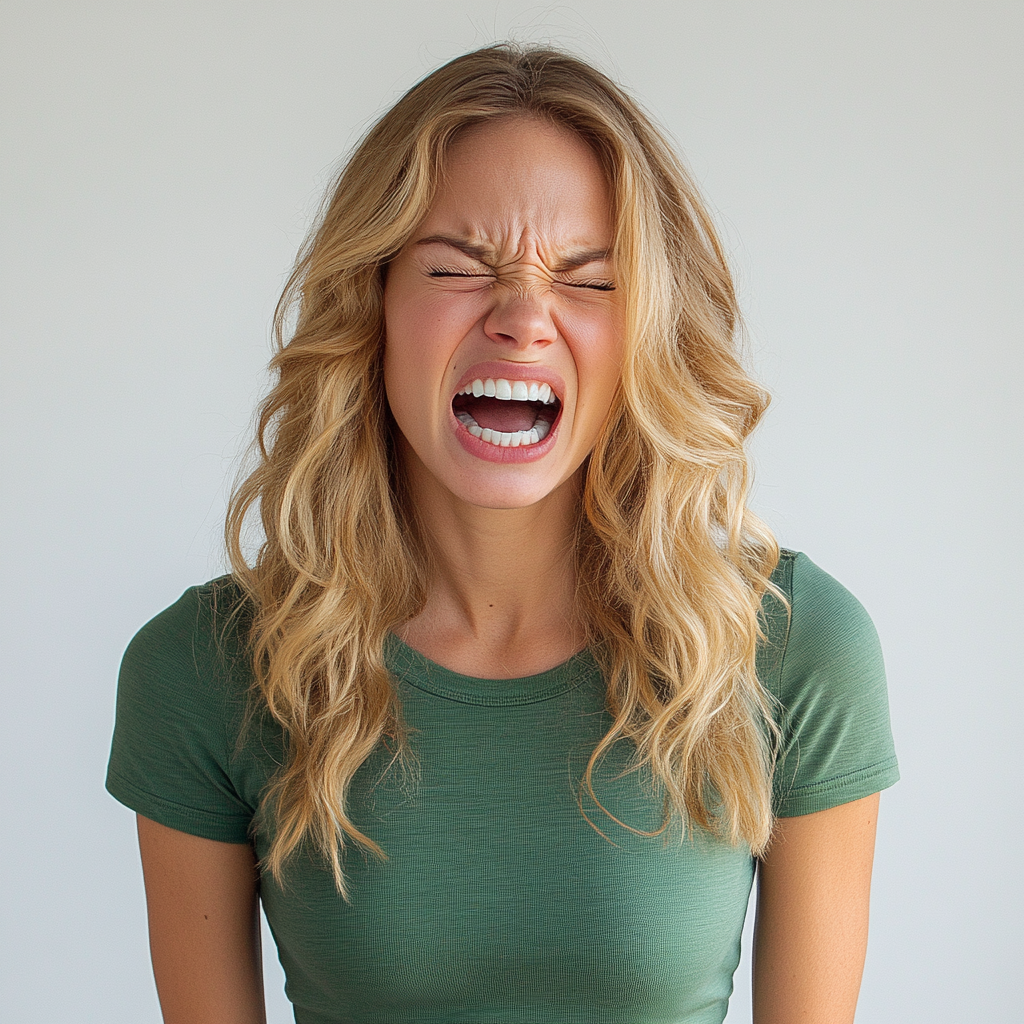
x=522 y=177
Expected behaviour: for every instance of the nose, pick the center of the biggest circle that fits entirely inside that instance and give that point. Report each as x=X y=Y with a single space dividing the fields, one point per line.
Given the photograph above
x=521 y=317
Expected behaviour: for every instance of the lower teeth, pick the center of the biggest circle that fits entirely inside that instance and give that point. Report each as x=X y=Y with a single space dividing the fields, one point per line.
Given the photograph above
x=506 y=439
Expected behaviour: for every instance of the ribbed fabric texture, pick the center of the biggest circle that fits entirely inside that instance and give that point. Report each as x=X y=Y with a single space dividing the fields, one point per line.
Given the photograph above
x=499 y=902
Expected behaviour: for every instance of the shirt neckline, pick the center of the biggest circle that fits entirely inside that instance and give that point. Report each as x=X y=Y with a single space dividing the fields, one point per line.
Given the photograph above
x=409 y=666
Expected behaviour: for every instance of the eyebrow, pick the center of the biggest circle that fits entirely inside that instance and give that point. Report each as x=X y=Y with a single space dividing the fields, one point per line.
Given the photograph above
x=481 y=253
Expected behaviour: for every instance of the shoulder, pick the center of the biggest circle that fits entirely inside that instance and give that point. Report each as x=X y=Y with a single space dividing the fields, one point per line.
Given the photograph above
x=818 y=623
x=830 y=632
x=196 y=639
x=190 y=658
x=181 y=700
x=823 y=664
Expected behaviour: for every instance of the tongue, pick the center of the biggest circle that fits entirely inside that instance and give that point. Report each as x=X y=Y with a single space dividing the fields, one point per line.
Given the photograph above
x=496 y=414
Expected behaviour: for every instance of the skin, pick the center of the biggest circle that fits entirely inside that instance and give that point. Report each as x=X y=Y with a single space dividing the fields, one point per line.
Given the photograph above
x=486 y=277
x=502 y=534
x=204 y=935
x=811 y=933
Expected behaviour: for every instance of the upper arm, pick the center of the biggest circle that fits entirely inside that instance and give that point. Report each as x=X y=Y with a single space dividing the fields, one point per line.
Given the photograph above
x=814 y=885
x=202 y=898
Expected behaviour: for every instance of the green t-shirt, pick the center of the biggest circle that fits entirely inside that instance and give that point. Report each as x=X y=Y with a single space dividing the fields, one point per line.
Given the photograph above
x=499 y=902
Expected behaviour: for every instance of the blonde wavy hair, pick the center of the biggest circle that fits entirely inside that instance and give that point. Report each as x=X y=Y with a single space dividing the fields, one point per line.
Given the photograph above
x=672 y=565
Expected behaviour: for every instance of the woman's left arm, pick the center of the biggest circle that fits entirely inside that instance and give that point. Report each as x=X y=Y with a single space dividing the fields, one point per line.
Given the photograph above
x=811 y=934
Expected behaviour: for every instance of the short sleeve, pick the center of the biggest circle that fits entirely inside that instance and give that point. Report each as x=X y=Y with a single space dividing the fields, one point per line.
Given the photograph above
x=170 y=759
x=833 y=704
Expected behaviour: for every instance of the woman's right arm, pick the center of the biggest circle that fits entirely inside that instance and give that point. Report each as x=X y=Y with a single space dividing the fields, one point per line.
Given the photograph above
x=204 y=934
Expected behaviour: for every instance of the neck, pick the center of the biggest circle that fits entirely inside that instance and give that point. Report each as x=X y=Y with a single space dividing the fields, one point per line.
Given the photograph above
x=501 y=592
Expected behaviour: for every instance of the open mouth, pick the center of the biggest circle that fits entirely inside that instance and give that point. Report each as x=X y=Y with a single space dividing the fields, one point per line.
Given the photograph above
x=507 y=413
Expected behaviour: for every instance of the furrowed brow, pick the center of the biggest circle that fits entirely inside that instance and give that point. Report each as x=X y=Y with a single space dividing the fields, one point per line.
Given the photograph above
x=480 y=253
x=485 y=254
x=573 y=261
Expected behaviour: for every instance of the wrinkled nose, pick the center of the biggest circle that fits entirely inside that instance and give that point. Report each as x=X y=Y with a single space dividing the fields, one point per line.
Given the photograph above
x=521 y=317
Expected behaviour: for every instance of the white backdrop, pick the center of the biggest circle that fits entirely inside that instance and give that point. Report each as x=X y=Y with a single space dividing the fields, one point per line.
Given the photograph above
x=160 y=164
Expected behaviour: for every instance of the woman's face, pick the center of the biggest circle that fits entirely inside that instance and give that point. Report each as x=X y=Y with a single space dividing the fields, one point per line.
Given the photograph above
x=504 y=325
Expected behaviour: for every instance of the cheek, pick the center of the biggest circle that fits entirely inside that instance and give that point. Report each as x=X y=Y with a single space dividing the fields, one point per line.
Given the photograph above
x=598 y=351
x=406 y=357
x=408 y=383
x=422 y=335
x=401 y=368
x=427 y=327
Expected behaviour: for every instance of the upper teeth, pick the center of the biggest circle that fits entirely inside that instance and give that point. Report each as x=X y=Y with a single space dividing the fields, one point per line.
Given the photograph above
x=510 y=390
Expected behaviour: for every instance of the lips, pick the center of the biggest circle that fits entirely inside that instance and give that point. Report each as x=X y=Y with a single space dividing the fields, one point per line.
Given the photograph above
x=507 y=413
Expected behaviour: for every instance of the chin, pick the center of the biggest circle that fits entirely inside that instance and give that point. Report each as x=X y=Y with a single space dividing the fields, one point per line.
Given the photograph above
x=487 y=485
x=505 y=496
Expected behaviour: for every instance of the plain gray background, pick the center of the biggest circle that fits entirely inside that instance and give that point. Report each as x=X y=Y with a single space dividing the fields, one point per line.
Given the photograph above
x=161 y=162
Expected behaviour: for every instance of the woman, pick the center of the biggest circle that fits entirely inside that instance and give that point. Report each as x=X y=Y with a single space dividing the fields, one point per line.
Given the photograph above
x=517 y=692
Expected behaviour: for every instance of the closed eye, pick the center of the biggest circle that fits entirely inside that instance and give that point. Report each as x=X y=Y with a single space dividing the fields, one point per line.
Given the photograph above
x=443 y=272
x=600 y=286
x=597 y=285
